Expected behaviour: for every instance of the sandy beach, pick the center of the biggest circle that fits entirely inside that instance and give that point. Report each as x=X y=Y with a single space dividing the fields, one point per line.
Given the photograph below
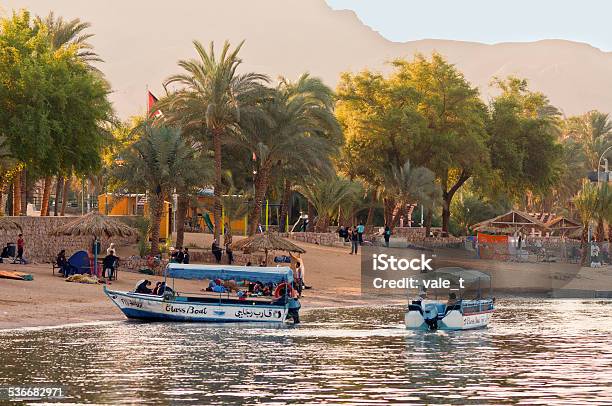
x=49 y=300
x=334 y=275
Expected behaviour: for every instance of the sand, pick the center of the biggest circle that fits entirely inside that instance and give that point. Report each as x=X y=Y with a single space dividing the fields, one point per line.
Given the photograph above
x=334 y=275
x=49 y=300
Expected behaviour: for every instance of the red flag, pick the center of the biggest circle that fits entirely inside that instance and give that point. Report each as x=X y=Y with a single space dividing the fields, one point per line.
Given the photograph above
x=151 y=100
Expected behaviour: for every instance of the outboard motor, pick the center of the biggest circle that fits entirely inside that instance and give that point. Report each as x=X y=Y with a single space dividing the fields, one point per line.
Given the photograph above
x=430 y=314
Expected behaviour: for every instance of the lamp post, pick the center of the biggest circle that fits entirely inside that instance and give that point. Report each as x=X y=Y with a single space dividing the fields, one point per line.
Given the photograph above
x=601 y=157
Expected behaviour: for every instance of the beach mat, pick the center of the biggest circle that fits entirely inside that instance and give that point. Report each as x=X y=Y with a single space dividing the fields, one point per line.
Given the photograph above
x=82 y=279
x=20 y=276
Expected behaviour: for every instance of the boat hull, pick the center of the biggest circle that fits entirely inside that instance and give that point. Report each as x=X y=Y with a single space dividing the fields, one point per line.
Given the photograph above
x=156 y=308
x=453 y=320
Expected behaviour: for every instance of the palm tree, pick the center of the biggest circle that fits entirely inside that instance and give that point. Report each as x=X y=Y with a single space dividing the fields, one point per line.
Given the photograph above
x=62 y=34
x=210 y=102
x=295 y=129
x=327 y=195
x=158 y=163
x=593 y=131
x=406 y=185
x=72 y=33
x=587 y=204
x=235 y=206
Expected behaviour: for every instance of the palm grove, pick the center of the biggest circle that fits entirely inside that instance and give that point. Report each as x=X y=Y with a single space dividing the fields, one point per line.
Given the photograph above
x=420 y=135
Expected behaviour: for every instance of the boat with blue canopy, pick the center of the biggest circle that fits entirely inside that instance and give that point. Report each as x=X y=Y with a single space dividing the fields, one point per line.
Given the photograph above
x=234 y=294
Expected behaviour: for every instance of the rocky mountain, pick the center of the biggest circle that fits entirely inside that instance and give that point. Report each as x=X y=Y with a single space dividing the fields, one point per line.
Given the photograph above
x=141 y=40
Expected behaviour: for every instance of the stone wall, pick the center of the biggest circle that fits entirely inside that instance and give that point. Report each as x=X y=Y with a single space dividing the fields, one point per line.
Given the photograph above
x=328 y=239
x=41 y=246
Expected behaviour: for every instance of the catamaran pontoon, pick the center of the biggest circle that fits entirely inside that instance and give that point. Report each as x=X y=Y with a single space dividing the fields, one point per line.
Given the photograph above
x=456 y=313
x=209 y=306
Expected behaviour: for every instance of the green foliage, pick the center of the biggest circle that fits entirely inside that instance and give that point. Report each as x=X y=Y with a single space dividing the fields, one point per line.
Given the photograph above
x=51 y=103
x=326 y=195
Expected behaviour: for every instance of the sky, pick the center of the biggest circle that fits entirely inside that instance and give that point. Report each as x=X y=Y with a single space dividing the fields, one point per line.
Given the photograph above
x=487 y=21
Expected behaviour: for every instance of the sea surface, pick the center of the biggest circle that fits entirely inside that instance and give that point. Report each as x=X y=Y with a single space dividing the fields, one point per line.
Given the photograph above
x=535 y=352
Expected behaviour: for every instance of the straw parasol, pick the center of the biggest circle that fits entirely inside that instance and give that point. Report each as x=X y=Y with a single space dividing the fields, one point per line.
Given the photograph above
x=95 y=224
x=267 y=242
x=9 y=225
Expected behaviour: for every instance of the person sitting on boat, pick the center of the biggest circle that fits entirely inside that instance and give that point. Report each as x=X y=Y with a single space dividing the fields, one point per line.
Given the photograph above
x=242 y=295
x=452 y=300
x=180 y=256
x=186 y=256
x=156 y=288
x=142 y=286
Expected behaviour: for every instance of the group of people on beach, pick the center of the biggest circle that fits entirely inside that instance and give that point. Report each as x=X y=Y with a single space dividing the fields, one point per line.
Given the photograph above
x=217 y=251
x=179 y=255
x=354 y=235
x=109 y=264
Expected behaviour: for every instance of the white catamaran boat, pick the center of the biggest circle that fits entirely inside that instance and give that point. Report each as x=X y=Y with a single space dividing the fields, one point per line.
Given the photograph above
x=456 y=313
x=211 y=306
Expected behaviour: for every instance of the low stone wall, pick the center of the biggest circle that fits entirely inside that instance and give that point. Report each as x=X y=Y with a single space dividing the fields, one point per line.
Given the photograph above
x=328 y=239
x=41 y=246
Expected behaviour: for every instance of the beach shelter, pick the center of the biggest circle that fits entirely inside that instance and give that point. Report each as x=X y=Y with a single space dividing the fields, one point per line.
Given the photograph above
x=96 y=225
x=267 y=242
x=562 y=226
x=511 y=223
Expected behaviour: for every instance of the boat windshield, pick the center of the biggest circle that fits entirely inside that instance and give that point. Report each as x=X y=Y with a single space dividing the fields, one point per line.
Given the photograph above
x=230 y=272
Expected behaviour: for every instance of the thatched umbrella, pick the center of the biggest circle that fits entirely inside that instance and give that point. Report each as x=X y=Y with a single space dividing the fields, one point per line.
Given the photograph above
x=95 y=225
x=267 y=242
x=9 y=225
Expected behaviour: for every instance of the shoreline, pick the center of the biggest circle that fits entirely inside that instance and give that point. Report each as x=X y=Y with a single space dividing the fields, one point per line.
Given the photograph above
x=48 y=301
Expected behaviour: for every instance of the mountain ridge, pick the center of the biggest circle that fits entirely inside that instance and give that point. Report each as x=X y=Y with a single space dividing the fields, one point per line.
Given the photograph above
x=142 y=42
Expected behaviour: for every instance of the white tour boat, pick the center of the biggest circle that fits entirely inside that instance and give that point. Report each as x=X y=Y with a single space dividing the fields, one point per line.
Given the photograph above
x=213 y=306
x=454 y=313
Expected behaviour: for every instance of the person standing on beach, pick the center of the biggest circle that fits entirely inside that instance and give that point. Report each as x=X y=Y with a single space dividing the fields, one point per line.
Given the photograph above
x=180 y=255
x=186 y=256
x=360 y=231
x=387 y=235
x=20 y=249
x=354 y=241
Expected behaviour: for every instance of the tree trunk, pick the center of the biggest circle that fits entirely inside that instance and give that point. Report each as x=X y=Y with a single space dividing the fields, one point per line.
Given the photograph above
x=369 y=219
x=322 y=224
x=181 y=212
x=447 y=197
x=388 y=206
x=17 y=194
x=311 y=216
x=156 y=207
x=59 y=184
x=600 y=231
x=24 y=193
x=217 y=134
x=427 y=220
x=584 y=246
x=285 y=206
x=66 y=188
x=261 y=186
x=44 y=205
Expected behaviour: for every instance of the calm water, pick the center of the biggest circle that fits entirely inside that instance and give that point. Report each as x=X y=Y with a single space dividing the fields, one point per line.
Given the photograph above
x=534 y=352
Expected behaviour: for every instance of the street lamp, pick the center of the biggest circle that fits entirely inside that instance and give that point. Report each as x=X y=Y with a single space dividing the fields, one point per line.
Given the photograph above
x=599 y=164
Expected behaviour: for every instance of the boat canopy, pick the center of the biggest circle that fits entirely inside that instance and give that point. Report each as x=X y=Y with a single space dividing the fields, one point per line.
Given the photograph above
x=268 y=274
x=453 y=274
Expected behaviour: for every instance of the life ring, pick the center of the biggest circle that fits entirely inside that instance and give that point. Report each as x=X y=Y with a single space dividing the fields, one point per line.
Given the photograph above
x=279 y=288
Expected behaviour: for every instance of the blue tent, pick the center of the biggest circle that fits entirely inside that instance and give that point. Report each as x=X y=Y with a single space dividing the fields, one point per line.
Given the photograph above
x=230 y=272
x=79 y=262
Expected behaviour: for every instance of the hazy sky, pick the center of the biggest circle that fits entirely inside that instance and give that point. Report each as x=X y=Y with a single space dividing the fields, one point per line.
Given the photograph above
x=488 y=21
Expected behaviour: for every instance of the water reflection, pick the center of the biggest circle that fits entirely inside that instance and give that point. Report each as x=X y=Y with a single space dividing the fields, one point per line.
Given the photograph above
x=534 y=352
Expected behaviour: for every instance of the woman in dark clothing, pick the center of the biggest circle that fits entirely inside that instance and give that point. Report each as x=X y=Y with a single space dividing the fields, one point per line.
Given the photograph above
x=387 y=235
x=216 y=251
x=62 y=262
x=186 y=256
x=230 y=253
x=354 y=241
